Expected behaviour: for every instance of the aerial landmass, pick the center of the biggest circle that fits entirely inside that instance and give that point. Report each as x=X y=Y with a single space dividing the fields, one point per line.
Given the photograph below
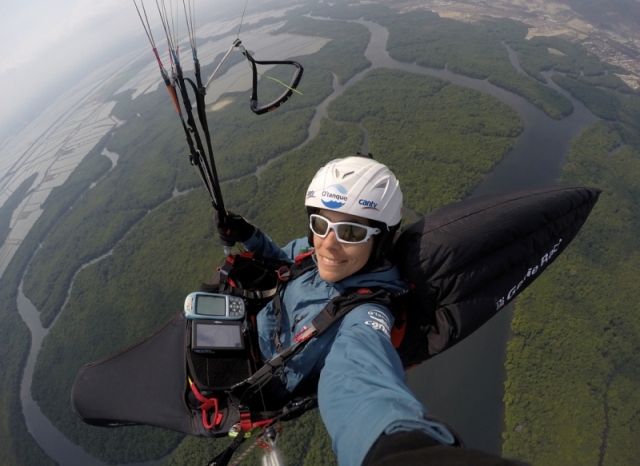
x=108 y=247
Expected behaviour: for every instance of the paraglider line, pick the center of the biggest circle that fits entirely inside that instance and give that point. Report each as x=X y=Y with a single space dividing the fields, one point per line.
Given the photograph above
x=242 y=18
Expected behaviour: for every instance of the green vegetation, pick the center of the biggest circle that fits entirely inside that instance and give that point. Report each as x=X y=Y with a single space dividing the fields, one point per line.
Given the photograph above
x=343 y=55
x=11 y=204
x=605 y=103
x=439 y=138
x=573 y=366
x=17 y=447
x=551 y=102
x=101 y=216
x=534 y=56
x=478 y=51
x=601 y=102
x=609 y=81
x=434 y=135
x=125 y=297
x=474 y=50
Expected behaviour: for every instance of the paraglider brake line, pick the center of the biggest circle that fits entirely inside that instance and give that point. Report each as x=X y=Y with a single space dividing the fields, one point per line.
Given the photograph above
x=199 y=156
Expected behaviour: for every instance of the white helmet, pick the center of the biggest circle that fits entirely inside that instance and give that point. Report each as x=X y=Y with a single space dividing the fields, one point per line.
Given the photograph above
x=357 y=186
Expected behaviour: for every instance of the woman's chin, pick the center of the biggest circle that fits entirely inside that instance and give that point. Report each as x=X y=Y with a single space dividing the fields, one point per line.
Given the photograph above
x=335 y=273
x=330 y=276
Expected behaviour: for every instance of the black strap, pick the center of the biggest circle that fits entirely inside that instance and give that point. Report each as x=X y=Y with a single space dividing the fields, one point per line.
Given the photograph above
x=305 y=264
x=345 y=302
x=223 y=458
x=277 y=306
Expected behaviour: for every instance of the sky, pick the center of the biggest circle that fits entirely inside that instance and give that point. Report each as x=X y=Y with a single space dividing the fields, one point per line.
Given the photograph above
x=45 y=42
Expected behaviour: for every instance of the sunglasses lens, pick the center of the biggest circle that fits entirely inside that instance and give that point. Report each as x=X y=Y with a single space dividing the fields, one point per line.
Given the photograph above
x=351 y=233
x=345 y=232
x=319 y=225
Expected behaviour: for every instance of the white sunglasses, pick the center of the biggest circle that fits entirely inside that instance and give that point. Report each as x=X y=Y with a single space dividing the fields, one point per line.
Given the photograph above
x=346 y=232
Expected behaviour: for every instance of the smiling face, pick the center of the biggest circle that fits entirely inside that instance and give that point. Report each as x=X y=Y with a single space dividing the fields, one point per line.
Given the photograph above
x=338 y=260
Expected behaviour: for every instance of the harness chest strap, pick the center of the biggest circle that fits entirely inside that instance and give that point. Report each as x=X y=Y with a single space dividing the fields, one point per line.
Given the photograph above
x=335 y=309
x=303 y=263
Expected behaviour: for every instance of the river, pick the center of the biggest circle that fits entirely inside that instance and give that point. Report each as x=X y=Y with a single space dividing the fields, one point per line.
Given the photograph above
x=464 y=386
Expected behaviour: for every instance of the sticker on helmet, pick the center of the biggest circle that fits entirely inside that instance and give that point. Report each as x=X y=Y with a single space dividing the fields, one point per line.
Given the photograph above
x=334 y=196
x=368 y=204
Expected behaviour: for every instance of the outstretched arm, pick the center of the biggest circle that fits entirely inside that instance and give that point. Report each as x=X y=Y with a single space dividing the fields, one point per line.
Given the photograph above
x=362 y=394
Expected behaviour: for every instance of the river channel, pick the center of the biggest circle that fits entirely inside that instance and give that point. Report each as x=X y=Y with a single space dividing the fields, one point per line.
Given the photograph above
x=464 y=385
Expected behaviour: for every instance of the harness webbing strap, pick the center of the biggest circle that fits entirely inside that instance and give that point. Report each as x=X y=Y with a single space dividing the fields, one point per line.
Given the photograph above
x=271 y=367
x=330 y=314
x=223 y=458
x=250 y=294
x=345 y=302
x=303 y=263
x=207 y=404
x=277 y=306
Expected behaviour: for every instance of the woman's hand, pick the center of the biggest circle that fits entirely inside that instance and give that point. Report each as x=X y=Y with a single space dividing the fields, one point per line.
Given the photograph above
x=233 y=228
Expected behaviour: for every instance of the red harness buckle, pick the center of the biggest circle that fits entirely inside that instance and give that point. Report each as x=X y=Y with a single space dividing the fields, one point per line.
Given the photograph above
x=246 y=424
x=245 y=421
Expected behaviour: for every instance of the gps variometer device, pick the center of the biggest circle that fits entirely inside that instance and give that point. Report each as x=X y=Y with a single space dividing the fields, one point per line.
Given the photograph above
x=217 y=321
x=209 y=336
x=201 y=305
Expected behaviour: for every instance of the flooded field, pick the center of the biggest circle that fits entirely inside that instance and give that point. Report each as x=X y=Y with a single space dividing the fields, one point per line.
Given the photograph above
x=53 y=155
x=261 y=42
x=55 y=142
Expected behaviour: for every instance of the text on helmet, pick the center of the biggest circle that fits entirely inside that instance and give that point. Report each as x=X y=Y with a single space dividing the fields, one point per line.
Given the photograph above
x=367 y=204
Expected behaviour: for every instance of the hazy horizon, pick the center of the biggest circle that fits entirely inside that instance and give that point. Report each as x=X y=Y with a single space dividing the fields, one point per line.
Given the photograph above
x=52 y=47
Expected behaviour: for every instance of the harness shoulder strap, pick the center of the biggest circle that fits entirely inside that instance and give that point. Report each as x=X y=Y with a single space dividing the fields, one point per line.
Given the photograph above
x=340 y=305
x=303 y=263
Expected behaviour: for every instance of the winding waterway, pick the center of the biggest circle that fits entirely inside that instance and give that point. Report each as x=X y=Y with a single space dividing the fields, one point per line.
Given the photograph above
x=465 y=384
x=53 y=442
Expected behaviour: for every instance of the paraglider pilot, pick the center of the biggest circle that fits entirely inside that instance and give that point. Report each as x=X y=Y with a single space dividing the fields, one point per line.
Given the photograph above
x=354 y=210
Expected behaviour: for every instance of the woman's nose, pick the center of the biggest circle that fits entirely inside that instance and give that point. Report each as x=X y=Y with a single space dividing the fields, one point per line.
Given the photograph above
x=331 y=241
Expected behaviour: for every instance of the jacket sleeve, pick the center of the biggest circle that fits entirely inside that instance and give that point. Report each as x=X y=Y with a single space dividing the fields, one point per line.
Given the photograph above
x=361 y=392
x=260 y=244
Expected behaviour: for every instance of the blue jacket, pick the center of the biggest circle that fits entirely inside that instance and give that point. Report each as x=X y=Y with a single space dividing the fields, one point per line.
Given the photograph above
x=361 y=391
